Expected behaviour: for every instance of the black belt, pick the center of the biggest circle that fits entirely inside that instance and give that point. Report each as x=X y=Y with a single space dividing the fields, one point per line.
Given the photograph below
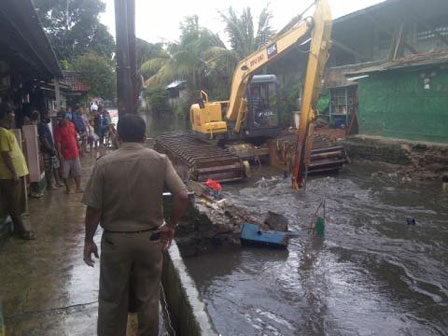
x=126 y=232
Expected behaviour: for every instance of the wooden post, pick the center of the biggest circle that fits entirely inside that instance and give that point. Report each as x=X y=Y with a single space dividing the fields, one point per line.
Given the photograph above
x=273 y=159
x=126 y=64
x=57 y=91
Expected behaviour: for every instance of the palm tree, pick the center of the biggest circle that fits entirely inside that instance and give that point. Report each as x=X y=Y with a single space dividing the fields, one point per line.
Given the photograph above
x=145 y=50
x=243 y=41
x=240 y=29
x=158 y=68
x=201 y=58
x=186 y=59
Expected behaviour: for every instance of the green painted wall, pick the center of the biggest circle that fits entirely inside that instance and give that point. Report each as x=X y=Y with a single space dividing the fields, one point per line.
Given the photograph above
x=395 y=104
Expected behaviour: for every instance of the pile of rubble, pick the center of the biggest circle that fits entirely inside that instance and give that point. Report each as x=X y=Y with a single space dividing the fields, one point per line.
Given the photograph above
x=418 y=161
x=210 y=221
x=425 y=163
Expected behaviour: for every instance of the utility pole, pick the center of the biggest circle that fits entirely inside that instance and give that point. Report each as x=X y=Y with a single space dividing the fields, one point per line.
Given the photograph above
x=127 y=78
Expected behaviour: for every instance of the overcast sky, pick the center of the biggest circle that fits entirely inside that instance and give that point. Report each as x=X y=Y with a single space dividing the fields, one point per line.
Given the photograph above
x=159 y=20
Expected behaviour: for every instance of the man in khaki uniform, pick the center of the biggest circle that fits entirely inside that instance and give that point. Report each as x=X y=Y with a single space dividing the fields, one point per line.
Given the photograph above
x=124 y=193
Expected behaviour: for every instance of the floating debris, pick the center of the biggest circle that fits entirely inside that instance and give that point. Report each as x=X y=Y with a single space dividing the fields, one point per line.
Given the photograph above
x=252 y=235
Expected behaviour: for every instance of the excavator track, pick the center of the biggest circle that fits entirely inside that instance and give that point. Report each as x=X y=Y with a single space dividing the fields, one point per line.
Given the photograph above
x=202 y=160
x=326 y=155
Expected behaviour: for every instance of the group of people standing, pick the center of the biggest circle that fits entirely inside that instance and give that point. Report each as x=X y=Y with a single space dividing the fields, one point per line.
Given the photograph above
x=135 y=230
x=73 y=131
x=94 y=125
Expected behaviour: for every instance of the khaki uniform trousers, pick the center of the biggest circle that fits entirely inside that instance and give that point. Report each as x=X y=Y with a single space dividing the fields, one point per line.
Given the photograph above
x=128 y=261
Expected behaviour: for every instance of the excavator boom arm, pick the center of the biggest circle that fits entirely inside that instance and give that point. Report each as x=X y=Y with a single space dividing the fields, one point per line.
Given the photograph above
x=276 y=47
x=255 y=61
x=319 y=51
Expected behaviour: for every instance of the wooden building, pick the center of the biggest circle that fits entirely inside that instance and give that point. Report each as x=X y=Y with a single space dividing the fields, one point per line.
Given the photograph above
x=388 y=68
x=29 y=74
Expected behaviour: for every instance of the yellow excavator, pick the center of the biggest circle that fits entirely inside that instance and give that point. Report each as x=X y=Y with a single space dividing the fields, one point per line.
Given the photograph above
x=245 y=115
x=250 y=114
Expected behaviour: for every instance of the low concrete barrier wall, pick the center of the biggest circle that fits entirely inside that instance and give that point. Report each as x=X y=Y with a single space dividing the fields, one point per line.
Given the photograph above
x=2 y=322
x=6 y=229
x=187 y=312
x=396 y=151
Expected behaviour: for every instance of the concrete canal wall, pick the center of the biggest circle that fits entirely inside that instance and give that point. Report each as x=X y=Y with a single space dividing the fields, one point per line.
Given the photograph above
x=397 y=151
x=188 y=313
x=5 y=228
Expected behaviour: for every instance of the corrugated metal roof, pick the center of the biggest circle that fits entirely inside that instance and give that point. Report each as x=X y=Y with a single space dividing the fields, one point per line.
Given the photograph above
x=363 y=11
x=22 y=18
x=71 y=78
x=264 y=79
x=175 y=84
x=417 y=60
x=335 y=76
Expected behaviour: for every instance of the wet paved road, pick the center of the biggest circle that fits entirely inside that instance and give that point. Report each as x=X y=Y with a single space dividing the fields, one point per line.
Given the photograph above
x=372 y=274
x=46 y=288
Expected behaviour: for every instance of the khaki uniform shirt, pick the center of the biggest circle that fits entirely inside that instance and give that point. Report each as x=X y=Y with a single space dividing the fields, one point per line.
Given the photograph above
x=128 y=184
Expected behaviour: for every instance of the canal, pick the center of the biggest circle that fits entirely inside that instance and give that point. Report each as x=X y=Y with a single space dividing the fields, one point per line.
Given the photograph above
x=372 y=273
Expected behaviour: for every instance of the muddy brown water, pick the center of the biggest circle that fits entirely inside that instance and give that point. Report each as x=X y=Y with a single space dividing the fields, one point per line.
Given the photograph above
x=372 y=273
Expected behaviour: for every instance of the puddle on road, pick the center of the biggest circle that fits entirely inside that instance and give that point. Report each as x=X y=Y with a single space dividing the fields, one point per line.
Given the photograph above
x=372 y=274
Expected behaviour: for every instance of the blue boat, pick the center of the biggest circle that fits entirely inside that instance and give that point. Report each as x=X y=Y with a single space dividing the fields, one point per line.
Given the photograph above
x=251 y=235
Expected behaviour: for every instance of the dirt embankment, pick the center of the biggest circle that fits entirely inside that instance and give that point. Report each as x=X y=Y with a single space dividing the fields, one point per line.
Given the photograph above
x=417 y=161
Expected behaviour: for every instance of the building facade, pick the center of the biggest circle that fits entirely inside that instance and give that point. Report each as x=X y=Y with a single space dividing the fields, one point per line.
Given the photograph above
x=29 y=75
x=406 y=101
x=394 y=56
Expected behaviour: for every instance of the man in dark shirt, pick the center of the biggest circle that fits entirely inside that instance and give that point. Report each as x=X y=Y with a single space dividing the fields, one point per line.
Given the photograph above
x=49 y=152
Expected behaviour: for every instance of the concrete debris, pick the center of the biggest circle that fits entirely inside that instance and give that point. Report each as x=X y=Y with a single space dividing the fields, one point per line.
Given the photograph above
x=276 y=222
x=209 y=222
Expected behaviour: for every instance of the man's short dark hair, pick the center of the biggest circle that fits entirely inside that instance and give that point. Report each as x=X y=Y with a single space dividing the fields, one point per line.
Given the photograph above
x=61 y=114
x=5 y=109
x=131 y=128
x=35 y=115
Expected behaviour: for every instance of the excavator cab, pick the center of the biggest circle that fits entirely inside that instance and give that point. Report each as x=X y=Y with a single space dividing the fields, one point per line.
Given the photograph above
x=262 y=119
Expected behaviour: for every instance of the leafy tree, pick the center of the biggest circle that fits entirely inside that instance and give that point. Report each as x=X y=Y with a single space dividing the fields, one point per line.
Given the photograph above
x=102 y=42
x=157 y=98
x=288 y=102
x=97 y=72
x=73 y=27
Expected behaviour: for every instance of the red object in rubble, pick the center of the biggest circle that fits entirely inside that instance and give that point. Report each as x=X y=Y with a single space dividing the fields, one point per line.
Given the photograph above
x=212 y=184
